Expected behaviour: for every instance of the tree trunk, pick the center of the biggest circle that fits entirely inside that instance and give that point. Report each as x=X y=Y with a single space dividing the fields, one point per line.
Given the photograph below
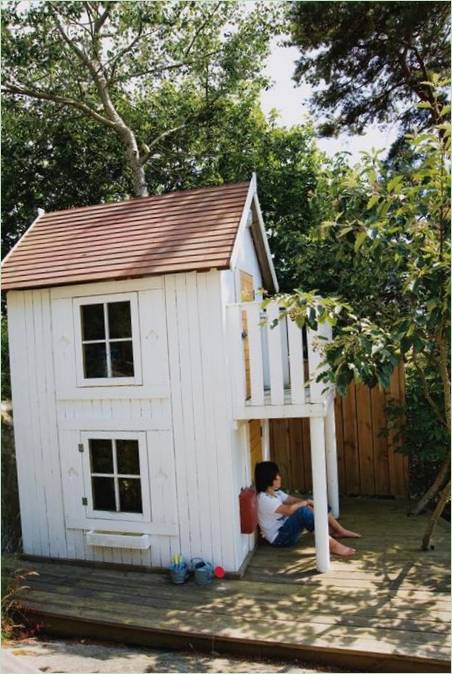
x=438 y=511
x=138 y=179
x=435 y=487
x=127 y=138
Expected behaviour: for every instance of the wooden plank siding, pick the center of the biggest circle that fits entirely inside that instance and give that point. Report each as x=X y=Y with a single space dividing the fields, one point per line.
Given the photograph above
x=368 y=463
x=255 y=433
x=36 y=432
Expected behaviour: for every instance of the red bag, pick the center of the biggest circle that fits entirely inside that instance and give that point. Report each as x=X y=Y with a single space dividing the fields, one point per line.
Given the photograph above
x=248 y=510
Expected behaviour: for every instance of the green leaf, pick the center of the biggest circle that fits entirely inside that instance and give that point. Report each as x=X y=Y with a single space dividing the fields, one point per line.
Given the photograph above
x=374 y=199
x=360 y=238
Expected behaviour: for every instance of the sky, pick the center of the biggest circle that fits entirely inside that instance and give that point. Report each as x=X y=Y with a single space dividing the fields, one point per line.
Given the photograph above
x=292 y=104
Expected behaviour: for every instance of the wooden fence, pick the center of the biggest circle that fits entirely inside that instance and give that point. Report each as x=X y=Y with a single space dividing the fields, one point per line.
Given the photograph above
x=367 y=461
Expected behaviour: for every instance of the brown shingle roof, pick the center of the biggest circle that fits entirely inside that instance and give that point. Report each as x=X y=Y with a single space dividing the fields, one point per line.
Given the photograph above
x=178 y=231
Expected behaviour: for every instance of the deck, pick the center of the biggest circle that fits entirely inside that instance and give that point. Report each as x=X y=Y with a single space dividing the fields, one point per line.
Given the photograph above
x=386 y=610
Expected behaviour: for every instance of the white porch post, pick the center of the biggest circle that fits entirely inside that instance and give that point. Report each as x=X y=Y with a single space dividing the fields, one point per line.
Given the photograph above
x=322 y=550
x=331 y=460
x=265 y=423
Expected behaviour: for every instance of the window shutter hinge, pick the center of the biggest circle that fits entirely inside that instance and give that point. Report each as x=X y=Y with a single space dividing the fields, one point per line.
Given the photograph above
x=84 y=501
x=81 y=448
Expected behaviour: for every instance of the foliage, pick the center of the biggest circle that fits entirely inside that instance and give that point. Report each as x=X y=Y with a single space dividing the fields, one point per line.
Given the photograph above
x=53 y=161
x=141 y=70
x=398 y=224
x=369 y=61
x=14 y=621
x=416 y=430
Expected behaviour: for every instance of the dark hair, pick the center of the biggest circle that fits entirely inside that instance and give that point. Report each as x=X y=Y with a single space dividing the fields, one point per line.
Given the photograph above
x=264 y=474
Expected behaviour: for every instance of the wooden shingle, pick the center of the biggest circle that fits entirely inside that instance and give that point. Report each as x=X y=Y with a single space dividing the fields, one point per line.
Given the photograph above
x=193 y=230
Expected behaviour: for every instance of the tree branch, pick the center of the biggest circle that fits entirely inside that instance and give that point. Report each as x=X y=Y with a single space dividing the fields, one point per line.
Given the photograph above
x=162 y=68
x=72 y=45
x=201 y=28
x=101 y=19
x=144 y=158
x=427 y=395
x=56 y=98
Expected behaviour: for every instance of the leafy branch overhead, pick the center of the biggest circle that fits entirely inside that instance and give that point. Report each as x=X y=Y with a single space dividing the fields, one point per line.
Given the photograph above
x=397 y=226
x=370 y=61
x=107 y=60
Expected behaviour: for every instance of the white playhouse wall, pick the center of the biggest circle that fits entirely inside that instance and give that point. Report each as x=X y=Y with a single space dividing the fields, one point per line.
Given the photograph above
x=239 y=433
x=183 y=408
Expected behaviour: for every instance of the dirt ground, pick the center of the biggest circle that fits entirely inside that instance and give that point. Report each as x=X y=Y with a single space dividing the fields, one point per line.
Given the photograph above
x=69 y=656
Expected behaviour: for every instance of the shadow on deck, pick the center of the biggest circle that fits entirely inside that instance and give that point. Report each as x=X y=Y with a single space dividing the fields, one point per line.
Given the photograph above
x=386 y=610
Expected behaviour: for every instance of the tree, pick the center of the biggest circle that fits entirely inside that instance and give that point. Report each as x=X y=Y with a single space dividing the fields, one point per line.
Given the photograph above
x=118 y=63
x=374 y=59
x=53 y=161
x=398 y=223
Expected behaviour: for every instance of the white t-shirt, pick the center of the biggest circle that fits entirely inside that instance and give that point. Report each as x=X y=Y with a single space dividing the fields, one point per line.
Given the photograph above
x=270 y=521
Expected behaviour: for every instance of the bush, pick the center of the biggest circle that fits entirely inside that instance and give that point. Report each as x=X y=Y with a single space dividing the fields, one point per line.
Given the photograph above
x=420 y=433
x=11 y=529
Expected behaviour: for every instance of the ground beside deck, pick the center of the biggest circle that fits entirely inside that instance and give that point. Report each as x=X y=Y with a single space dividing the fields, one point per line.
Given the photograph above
x=387 y=609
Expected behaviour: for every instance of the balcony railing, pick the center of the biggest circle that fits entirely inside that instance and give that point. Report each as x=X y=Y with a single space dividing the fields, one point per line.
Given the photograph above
x=274 y=363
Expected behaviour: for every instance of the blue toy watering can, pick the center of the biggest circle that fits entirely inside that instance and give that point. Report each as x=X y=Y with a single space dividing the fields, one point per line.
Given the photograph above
x=178 y=570
x=203 y=571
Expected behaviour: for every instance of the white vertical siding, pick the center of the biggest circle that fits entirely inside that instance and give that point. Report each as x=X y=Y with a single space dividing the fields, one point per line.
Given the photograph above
x=200 y=420
x=184 y=407
x=35 y=425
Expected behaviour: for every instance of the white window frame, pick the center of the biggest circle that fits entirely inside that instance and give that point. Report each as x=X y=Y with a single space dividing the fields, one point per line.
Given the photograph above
x=78 y=302
x=90 y=512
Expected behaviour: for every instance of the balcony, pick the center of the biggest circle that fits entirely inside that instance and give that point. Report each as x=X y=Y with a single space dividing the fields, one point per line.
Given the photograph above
x=274 y=369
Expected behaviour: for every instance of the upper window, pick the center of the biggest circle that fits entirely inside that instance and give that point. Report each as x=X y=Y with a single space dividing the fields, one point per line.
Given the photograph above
x=108 y=343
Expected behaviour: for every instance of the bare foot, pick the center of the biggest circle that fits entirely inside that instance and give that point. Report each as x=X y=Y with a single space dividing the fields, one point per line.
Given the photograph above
x=342 y=550
x=346 y=533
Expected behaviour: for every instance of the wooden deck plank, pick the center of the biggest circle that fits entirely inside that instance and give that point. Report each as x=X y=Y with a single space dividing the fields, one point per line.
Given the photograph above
x=387 y=609
x=265 y=628
x=250 y=608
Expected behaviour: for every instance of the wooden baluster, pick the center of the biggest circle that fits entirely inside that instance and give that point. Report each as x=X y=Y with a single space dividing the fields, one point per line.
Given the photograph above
x=275 y=355
x=296 y=363
x=255 y=353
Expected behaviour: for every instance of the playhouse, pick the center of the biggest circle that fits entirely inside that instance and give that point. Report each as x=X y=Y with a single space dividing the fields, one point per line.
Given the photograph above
x=144 y=372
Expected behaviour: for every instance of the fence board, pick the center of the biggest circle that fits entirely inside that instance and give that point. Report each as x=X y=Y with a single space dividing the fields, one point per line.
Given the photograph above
x=368 y=464
x=365 y=439
x=352 y=484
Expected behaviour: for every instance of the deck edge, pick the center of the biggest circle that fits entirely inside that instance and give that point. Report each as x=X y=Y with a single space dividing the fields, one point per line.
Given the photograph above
x=57 y=625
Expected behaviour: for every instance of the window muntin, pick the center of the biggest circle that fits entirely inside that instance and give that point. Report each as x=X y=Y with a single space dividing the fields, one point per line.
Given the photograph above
x=107 y=340
x=115 y=475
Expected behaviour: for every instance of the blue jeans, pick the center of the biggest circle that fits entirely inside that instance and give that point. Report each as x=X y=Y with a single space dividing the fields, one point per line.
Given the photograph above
x=288 y=535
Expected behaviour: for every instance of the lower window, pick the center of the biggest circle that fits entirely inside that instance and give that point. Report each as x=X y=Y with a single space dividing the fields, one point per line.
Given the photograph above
x=115 y=468
x=115 y=475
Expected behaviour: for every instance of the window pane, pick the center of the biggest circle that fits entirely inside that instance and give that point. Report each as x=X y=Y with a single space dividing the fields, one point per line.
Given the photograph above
x=127 y=455
x=119 y=323
x=104 y=493
x=95 y=360
x=101 y=456
x=93 y=324
x=121 y=359
x=130 y=496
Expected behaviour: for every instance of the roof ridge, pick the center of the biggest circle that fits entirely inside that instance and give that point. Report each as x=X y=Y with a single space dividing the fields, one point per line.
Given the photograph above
x=151 y=196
